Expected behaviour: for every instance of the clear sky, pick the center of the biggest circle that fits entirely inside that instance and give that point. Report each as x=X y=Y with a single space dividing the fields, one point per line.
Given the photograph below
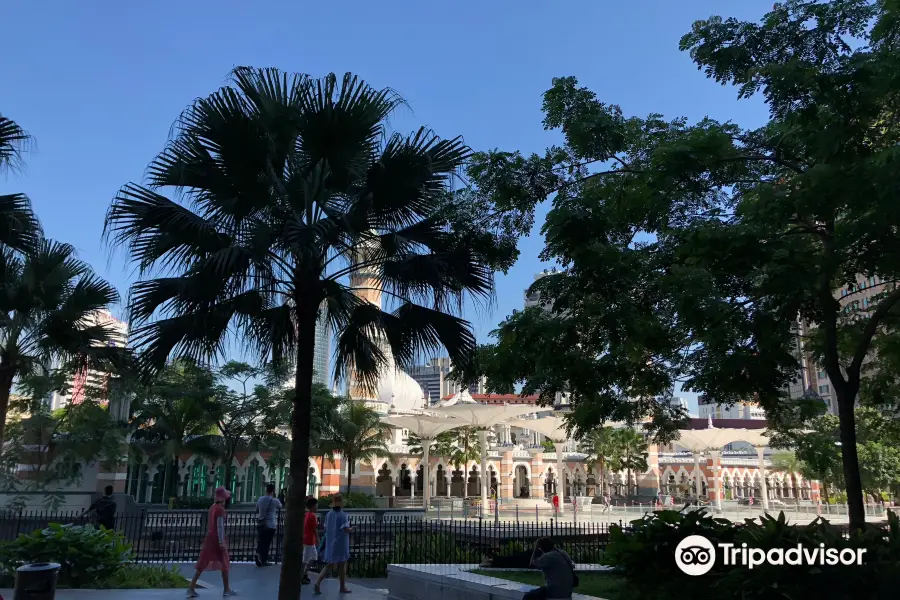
x=99 y=83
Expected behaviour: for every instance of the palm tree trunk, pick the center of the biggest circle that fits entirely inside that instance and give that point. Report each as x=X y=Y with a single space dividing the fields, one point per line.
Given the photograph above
x=7 y=374
x=602 y=478
x=349 y=460
x=292 y=568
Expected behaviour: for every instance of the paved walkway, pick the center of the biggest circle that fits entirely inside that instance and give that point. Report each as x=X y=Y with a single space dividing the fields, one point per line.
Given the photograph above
x=250 y=582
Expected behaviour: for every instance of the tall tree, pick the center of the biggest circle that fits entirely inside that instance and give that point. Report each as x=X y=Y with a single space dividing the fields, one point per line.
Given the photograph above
x=48 y=308
x=251 y=415
x=174 y=415
x=690 y=250
x=358 y=434
x=288 y=193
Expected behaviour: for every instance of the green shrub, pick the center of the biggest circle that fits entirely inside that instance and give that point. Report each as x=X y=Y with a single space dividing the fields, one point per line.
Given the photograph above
x=351 y=500
x=137 y=576
x=85 y=553
x=191 y=503
x=645 y=554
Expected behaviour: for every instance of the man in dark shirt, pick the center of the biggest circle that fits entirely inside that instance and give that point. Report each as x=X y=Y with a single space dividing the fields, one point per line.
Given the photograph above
x=105 y=508
x=558 y=570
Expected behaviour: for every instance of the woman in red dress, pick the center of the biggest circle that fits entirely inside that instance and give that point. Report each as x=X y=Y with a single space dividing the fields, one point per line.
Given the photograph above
x=214 y=553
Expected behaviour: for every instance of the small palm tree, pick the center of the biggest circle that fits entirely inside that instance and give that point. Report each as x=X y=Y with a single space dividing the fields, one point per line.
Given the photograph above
x=287 y=193
x=789 y=463
x=601 y=445
x=358 y=434
x=50 y=304
x=630 y=453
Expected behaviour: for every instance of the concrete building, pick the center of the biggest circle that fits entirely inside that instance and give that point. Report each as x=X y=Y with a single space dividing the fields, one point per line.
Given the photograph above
x=855 y=299
x=322 y=351
x=82 y=383
x=433 y=378
x=748 y=410
x=534 y=298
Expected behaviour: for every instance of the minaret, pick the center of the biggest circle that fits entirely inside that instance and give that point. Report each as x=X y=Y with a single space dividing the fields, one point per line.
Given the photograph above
x=365 y=285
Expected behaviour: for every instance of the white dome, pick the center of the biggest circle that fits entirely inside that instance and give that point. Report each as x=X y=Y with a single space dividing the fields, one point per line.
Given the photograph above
x=399 y=391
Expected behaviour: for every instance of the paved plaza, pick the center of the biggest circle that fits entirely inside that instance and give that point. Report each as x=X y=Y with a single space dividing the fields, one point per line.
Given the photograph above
x=247 y=579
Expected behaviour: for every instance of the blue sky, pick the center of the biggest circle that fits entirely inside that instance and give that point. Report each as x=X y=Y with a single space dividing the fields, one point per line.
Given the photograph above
x=99 y=83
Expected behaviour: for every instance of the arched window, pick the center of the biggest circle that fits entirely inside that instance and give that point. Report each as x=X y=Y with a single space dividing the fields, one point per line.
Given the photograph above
x=198 y=479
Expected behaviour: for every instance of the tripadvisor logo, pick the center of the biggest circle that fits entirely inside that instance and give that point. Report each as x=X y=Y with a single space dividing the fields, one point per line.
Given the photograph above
x=696 y=555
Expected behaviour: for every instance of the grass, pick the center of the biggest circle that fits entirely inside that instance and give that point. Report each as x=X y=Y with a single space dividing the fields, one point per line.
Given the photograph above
x=602 y=585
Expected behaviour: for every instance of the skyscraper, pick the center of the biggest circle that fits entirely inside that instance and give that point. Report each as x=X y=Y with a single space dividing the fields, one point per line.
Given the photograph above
x=432 y=377
x=80 y=384
x=321 y=351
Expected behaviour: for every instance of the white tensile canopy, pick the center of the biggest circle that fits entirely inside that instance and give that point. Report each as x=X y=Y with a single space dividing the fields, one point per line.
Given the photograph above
x=483 y=417
x=713 y=439
x=426 y=428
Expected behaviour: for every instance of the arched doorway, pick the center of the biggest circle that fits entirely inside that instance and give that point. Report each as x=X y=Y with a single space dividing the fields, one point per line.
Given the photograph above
x=384 y=483
x=473 y=487
x=440 y=481
x=405 y=488
x=520 y=483
x=458 y=483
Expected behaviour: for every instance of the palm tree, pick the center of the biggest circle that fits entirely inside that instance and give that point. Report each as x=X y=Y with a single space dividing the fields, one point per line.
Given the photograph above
x=601 y=446
x=175 y=415
x=19 y=228
x=286 y=193
x=631 y=452
x=789 y=463
x=49 y=307
x=460 y=446
x=358 y=434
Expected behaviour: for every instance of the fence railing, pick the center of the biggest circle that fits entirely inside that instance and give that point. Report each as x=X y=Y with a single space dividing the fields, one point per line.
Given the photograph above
x=176 y=536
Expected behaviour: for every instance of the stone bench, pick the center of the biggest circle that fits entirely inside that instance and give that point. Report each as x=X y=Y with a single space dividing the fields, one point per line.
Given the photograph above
x=458 y=582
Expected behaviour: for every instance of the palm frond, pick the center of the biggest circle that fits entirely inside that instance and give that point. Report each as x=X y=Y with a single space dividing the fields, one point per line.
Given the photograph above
x=13 y=140
x=19 y=227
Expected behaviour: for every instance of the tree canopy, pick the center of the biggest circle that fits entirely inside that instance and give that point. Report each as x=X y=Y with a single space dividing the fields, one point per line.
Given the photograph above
x=689 y=250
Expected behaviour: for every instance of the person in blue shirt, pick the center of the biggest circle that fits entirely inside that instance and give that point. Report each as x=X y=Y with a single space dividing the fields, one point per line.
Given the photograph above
x=337 y=543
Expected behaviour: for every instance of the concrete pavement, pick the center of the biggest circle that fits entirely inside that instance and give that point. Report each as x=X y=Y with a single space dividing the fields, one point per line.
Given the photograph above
x=248 y=580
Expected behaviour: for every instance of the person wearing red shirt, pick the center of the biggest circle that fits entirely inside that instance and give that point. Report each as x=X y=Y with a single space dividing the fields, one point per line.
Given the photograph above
x=555 y=502
x=310 y=536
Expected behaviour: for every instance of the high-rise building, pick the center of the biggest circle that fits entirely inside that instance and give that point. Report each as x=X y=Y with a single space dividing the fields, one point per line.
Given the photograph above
x=534 y=298
x=321 y=351
x=856 y=298
x=433 y=379
x=92 y=380
x=709 y=408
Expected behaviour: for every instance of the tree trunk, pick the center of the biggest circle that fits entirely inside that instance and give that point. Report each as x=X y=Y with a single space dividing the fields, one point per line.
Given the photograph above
x=7 y=374
x=290 y=581
x=349 y=460
x=846 y=397
x=602 y=478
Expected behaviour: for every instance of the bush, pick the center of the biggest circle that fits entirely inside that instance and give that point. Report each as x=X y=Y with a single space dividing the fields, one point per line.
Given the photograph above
x=645 y=554
x=86 y=554
x=351 y=500
x=191 y=503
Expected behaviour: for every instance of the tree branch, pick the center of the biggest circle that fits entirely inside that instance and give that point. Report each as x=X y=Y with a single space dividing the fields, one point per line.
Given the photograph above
x=884 y=307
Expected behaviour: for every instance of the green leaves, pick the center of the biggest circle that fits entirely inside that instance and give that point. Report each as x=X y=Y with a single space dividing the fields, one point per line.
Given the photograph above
x=86 y=554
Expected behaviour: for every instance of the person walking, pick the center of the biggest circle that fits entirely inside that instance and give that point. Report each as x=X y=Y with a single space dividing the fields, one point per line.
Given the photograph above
x=555 y=503
x=310 y=537
x=267 y=508
x=214 y=552
x=105 y=509
x=557 y=568
x=337 y=543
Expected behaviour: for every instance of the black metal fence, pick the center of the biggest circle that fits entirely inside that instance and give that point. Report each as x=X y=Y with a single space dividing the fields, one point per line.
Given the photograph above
x=176 y=536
